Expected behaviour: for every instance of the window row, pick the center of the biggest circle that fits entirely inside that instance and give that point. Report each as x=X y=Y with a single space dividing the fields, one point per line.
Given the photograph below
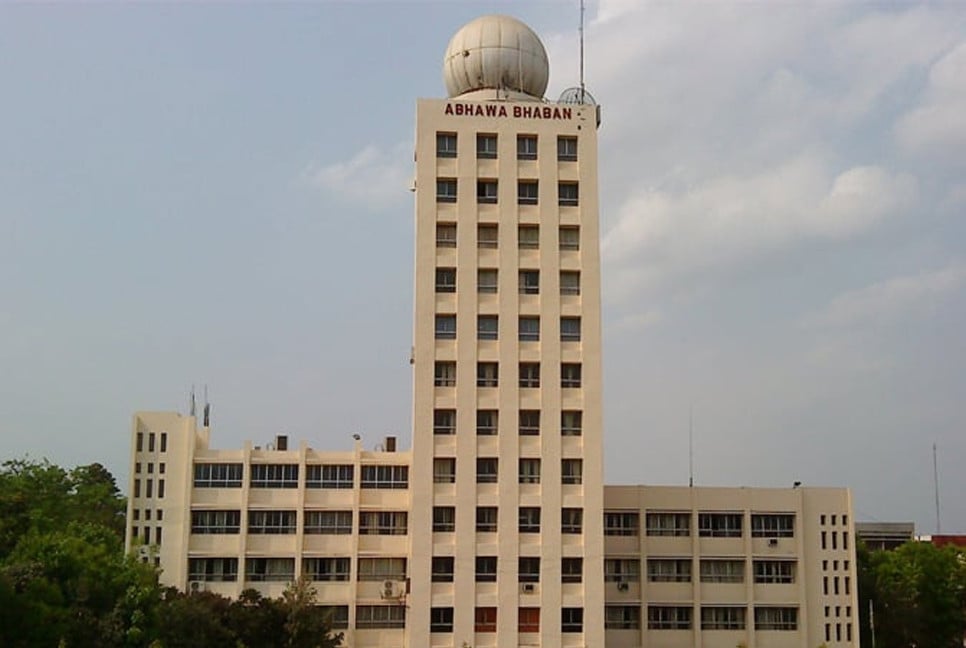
x=528 y=236
x=229 y=475
x=528 y=619
x=528 y=568
x=487 y=468
x=528 y=328
x=712 y=570
x=488 y=374
x=153 y=438
x=710 y=525
x=148 y=490
x=487 y=421
x=487 y=281
x=487 y=191
x=486 y=146
x=528 y=520
x=150 y=467
x=662 y=617
x=283 y=569
x=834 y=536
x=228 y=522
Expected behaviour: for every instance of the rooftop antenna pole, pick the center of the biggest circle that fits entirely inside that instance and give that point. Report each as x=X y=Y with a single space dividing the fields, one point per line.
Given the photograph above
x=581 y=30
x=935 y=477
x=191 y=410
x=691 y=447
x=207 y=418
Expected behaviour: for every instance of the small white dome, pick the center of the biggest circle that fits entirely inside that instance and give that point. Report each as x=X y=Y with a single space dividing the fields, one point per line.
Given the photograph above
x=496 y=52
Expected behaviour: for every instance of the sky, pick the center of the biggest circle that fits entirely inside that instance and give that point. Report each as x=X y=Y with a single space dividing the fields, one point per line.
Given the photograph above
x=217 y=194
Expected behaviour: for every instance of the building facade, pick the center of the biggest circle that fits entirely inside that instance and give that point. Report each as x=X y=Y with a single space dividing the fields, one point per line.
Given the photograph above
x=496 y=529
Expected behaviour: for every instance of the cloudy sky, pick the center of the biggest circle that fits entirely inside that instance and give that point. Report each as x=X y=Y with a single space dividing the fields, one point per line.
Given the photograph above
x=217 y=194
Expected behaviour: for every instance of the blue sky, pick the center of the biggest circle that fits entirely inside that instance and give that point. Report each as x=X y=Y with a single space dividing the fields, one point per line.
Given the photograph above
x=217 y=194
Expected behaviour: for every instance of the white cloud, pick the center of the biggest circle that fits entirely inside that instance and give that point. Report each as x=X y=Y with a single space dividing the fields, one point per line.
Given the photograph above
x=372 y=177
x=939 y=123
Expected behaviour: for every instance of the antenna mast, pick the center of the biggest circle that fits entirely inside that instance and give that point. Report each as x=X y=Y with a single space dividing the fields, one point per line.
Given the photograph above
x=581 y=31
x=935 y=477
x=691 y=447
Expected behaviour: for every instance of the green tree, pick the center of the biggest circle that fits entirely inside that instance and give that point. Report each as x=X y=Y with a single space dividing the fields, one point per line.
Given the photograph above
x=306 y=624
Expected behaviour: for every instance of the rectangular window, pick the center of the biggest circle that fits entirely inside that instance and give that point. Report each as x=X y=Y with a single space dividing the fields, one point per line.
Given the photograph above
x=218 y=475
x=446 y=327
x=446 y=145
x=382 y=569
x=571 y=471
x=444 y=470
x=571 y=422
x=572 y=619
x=275 y=476
x=446 y=190
x=383 y=523
x=529 y=328
x=622 y=617
x=528 y=620
x=668 y=523
x=445 y=374
x=567 y=194
x=338 y=476
x=529 y=423
x=484 y=619
x=570 y=373
x=151 y=438
x=392 y=477
x=774 y=571
x=569 y=282
x=161 y=489
x=271 y=522
x=529 y=519
x=526 y=147
x=530 y=374
x=326 y=569
x=444 y=421
x=445 y=280
x=487 y=422
x=720 y=525
x=528 y=237
x=140 y=442
x=669 y=570
x=528 y=192
x=776 y=618
x=137 y=488
x=442 y=569
x=337 y=616
x=566 y=148
x=444 y=519
x=570 y=329
x=571 y=570
x=487 y=470
x=486 y=519
x=572 y=520
x=446 y=235
x=164 y=442
x=529 y=470
x=487 y=374
x=722 y=571
x=441 y=619
x=270 y=570
x=378 y=617
x=622 y=570
x=529 y=283
x=486 y=146
x=328 y=522
x=569 y=237
x=215 y=522
x=486 y=191
x=487 y=327
x=772 y=525
x=666 y=617
x=149 y=484
x=722 y=618
x=213 y=569
x=487 y=235
x=528 y=569
x=487 y=280
x=486 y=569
x=622 y=523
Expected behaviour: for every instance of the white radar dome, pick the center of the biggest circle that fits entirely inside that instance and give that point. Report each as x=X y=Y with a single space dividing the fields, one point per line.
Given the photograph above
x=496 y=52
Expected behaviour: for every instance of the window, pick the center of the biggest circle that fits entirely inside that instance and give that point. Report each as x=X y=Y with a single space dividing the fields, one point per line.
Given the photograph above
x=446 y=235
x=572 y=520
x=218 y=475
x=571 y=471
x=487 y=235
x=487 y=422
x=722 y=618
x=151 y=438
x=665 y=523
x=570 y=329
x=529 y=422
x=380 y=616
x=567 y=194
x=445 y=280
x=273 y=570
x=140 y=442
x=569 y=282
x=571 y=570
x=529 y=569
x=722 y=571
x=566 y=148
x=664 y=617
x=137 y=488
x=780 y=525
x=774 y=571
x=487 y=327
x=337 y=616
x=150 y=467
x=571 y=619
x=529 y=519
x=776 y=618
x=328 y=522
x=149 y=486
x=485 y=619
x=271 y=522
x=529 y=282
x=382 y=569
x=446 y=145
x=487 y=374
x=569 y=237
x=329 y=476
x=446 y=327
x=529 y=374
x=487 y=280
x=528 y=619
x=486 y=569
x=487 y=469
x=215 y=522
x=570 y=374
x=719 y=525
x=394 y=477
x=446 y=190
x=486 y=517
x=621 y=523
x=441 y=619
x=445 y=374
x=528 y=192
x=275 y=476
x=444 y=470
x=213 y=569
x=486 y=146
x=622 y=570
x=444 y=421
x=529 y=471
x=442 y=569
x=529 y=328
x=571 y=422
x=486 y=191
x=622 y=617
x=326 y=569
x=672 y=570
x=164 y=443
x=528 y=237
x=161 y=488
x=383 y=523
x=444 y=519
x=526 y=147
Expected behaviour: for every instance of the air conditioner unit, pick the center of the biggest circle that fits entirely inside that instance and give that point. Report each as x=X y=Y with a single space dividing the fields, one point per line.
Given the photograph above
x=196 y=586
x=772 y=542
x=622 y=586
x=393 y=590
x=528 y=588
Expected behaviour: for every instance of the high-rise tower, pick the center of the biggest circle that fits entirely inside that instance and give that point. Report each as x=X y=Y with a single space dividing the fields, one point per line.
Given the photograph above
x=507 y=505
